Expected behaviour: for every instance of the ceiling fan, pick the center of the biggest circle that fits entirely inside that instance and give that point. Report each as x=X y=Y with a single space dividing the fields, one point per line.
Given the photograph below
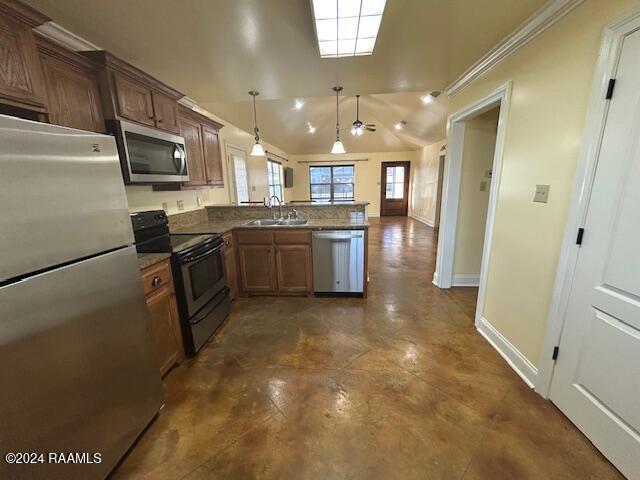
x=358 y=128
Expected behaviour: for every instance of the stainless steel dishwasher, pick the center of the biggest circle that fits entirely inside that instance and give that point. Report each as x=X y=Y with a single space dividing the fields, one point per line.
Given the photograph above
x=338 y=261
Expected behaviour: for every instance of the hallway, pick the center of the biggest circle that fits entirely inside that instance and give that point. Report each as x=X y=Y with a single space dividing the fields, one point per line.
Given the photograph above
x=397 y=386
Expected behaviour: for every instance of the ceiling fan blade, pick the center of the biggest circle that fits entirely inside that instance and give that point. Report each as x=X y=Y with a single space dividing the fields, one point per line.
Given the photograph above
x=369 y=124
x=370 y=129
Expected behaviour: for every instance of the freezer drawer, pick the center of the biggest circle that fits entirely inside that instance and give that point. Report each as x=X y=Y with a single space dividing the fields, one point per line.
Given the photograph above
x=62 y=196
x=77 y=372
x=338 y=261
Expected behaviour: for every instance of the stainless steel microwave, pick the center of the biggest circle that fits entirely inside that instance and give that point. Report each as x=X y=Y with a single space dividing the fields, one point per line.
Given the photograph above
x=148 y=155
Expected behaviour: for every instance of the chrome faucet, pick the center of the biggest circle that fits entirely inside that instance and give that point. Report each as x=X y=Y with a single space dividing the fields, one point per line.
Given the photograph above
x=279 y=205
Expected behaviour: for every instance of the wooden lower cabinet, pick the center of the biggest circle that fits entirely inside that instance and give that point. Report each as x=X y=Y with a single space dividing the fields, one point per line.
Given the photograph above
x=163 y=312
x=230 y=267
x=275 y=262
x=257 y=268
x=293 y=265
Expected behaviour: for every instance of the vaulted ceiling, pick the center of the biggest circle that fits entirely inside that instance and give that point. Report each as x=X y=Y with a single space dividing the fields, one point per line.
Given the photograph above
x=216 y=51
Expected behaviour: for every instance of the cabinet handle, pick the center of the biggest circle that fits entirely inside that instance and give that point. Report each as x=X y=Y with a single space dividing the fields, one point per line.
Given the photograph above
x=159 y=120
x=156 y=281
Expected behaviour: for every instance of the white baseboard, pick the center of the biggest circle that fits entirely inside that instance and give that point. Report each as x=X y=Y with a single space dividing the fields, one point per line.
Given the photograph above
x=466 y=280
x=521 y=364
x=427 y=222
x=435 y=279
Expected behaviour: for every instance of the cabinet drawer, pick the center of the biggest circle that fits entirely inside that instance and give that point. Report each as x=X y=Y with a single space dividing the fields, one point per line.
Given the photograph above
x=297 y=237
x=156 y=276
x=254 y=237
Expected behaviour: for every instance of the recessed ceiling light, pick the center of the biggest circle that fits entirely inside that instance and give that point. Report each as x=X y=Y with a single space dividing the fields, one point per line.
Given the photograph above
x=427 y=99
x=346 y=28
x=299 y=103
x=312 y=129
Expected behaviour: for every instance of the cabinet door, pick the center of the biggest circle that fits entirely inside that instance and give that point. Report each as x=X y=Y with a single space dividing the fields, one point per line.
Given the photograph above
x=165 y=111
x=293 y=264
x=257 y=268
x=164 y=320
x=134 y=100
x=230 y=271
x=192 y=134
x=20 y=72
x=74 y=99
x=212 y=158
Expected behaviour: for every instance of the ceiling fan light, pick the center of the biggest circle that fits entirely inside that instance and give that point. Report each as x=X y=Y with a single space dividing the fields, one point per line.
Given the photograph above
x=426 y=99
x=360 y=131
x=257 y=150
x=338 y=147
x=354 y=131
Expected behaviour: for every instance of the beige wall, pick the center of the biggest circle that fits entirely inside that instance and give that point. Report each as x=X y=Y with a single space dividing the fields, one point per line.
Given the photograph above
x=144 y=198
x=477 y=158
x=424 y=182
x=367 y=175
x=551 y=78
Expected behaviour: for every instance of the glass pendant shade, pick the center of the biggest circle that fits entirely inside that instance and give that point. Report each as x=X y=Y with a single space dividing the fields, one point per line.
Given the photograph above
x=257 y=150
x=338 y=147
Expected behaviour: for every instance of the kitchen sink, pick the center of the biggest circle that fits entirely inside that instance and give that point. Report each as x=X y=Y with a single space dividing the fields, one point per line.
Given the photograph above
x=292 y=222
x=266 y=221
x=269 y=222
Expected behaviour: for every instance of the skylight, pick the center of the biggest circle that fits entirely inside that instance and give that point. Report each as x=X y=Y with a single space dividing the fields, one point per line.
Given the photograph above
x=346 y=28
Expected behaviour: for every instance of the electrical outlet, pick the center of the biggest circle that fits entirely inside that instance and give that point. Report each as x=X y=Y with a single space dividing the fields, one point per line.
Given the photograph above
x=253 y=188
x=542 y=193
x=483 y=186
x=180 y=204
x=199 y=201
x=165 y=206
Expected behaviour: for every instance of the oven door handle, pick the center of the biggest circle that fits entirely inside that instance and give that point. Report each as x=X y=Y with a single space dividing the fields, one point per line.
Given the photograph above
x=205 y=313
x=195 y=258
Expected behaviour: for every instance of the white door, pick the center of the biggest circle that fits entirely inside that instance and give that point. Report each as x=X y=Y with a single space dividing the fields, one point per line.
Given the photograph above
x=596 y=382
x=240 y=176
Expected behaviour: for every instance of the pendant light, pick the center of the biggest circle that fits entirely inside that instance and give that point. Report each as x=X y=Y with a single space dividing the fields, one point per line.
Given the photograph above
x=257 y=150
x=337 y=146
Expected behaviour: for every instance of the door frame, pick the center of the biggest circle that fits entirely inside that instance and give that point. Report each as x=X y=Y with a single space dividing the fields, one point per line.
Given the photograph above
x=407 y=183
x=597 y=111
x=443 y=275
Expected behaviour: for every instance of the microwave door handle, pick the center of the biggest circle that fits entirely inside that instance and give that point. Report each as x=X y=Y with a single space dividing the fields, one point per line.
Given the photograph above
x=183 y=157
x=178 y=153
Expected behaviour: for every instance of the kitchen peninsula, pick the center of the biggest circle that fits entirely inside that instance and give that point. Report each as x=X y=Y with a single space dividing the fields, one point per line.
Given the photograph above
x=276 y=257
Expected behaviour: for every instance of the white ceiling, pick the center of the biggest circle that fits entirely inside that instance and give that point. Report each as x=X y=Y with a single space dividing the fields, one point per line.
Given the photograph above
x=215 y=51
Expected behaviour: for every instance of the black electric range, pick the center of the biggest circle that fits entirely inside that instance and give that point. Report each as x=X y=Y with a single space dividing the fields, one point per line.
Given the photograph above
x=198 y=273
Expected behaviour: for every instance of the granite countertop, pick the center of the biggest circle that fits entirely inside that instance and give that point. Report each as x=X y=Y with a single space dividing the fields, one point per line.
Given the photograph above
x=147 y=259
x=292 y=204
x=223 y=226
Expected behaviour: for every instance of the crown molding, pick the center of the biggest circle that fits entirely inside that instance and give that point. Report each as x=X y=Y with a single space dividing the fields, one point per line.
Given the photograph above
x=65 y=38
x=543 y=18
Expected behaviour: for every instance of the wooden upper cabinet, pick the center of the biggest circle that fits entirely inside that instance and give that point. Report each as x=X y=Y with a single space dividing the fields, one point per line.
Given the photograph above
x=192 y=133
x=212 y=158
x=72 y=88
x=204 y=161
x=165 y=110
x=129 y=93
x=134 y=100
x=21 y=83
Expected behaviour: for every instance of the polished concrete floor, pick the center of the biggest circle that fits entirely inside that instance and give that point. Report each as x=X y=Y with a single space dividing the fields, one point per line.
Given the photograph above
x=397 y=386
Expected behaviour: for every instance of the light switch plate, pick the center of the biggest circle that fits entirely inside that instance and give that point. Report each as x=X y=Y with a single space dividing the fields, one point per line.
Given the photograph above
x=542 y=193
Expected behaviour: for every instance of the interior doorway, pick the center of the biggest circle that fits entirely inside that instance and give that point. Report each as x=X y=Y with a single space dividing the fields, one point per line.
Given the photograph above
x=394 y=188
x=436 y=217
x=484 y=181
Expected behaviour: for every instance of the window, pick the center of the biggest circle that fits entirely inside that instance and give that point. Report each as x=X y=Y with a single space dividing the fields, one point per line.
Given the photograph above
x=394 y=187
x=274 y=172
x=332 y=183
x=238 y=163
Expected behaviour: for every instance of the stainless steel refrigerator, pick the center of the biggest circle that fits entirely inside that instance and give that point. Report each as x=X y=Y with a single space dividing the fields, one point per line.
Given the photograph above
x=77 y=372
